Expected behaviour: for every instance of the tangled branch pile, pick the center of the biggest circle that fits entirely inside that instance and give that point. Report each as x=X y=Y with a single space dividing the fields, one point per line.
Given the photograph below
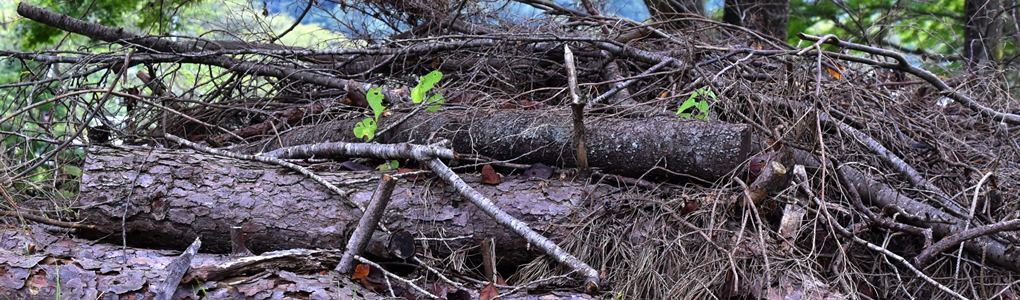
x=897 y=159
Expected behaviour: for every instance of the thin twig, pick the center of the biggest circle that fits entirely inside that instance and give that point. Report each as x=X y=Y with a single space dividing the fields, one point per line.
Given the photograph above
x=801 y=176
x=394 y=276
x=903 y=65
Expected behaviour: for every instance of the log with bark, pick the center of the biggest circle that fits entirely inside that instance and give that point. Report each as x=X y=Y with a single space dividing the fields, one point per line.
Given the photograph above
x=164 y=199
x=706 y=150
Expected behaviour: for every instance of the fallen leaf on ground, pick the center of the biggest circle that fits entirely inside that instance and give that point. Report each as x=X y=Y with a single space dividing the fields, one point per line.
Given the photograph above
x=488 y=292
x=360 y=271
x=489 y=175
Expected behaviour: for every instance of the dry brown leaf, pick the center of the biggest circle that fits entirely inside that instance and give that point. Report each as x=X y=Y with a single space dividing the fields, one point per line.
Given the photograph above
x=690 y=207
x=360 y=271
x=488 y=292
x=833 y=73
x=489 y=175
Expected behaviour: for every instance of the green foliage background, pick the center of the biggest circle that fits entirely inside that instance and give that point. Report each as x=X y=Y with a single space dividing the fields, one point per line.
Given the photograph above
x=149 y=15
x=926 y=29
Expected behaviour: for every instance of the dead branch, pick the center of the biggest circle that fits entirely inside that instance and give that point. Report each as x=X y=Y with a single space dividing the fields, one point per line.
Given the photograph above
x=941 y=223
x=801 y=177
x=156 y=44
x=368 y=224
x=903 y=65
x=923 y=259
x=428 y=154
x=591 y=276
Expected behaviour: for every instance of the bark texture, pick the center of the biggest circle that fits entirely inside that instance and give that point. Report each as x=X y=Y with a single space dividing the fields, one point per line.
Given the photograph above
x=631 y=147
x=666 y=10
x=170 y=197
x=982 y=30
x=766 y=16
x=82 y=269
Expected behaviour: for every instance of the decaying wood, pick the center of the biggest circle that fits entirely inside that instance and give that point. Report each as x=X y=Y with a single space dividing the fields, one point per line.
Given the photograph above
x=631 y=147
x=174 y=196
x=172 y=199
x=550 y=248
x=87 y=270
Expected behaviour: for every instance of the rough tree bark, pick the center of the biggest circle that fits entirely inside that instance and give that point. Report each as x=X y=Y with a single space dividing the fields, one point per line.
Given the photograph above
x=174 y=196
x=666 y=10
x=766 y=16
x=982 y=30
x=631 y=147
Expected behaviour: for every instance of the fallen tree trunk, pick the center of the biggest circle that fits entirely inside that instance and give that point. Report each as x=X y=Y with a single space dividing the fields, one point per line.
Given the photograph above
x=175 y=196
x=82 y=269
x=707 y=150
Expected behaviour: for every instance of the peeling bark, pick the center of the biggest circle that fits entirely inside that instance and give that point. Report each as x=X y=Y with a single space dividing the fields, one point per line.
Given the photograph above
x=175 y=196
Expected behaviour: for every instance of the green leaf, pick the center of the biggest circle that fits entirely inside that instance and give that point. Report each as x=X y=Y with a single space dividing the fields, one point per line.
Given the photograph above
x=702 y=106
x=710 y=93
x=430 y=79
x=389 y=165
x=375 y=97
x=435 y=108
x=436 y=97
x=417 y=94
x=72 y=170
x=687 y=104
x=65 y=194
x=425 y=83
x=365 y=129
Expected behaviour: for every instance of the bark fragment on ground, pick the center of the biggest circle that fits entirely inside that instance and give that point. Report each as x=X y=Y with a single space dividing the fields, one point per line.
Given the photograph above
x=178 y=195
x=87 y=270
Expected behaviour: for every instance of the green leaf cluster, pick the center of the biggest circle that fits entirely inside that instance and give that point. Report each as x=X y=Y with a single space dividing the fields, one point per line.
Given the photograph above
x=146 y=14
x=388 y=165
x=933 y=26
x=366 y=128
x=700 y=106
x=426 y=83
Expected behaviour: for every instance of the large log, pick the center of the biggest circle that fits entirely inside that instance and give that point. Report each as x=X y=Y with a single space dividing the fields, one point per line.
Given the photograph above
x=708 y=150
x=170 y=197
